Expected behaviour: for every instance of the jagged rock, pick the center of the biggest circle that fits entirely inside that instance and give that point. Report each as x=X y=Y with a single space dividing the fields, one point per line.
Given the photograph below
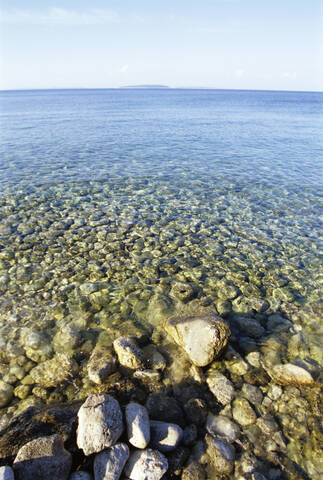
x=289 y=374
x=128 y=352
x=203 y=337
x=146 y=465
x=165 y=436
x=220 y=386
x=44 y=457
x=138 y=425
x=108 y=465
x=101 y=364
x=54 y=371
x=100 y=423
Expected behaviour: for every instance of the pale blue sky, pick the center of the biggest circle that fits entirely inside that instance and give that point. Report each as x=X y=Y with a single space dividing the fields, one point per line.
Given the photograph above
x=256 y=44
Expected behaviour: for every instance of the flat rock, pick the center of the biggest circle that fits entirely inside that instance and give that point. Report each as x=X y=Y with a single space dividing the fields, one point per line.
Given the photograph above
x=203 y=337
x=221 y=454
x=6 y=473
x=6 y=393
x=44 y=457
x=289 y=374
x=222 y=426
x=138 y=425
x=146 y=465
x=54 y=371
x=165 y=436
x=100 y=423
x=220 y=386
x=108 y=465
x=128 y=352
x=101 y=364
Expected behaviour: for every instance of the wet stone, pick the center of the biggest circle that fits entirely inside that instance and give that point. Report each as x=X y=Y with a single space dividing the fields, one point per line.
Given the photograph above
x=289 y=374
x=242 y=412
x=128 y=352
x=109 y=464
x=165 y=436
x=221 y=455
x=220 y=386
x=55 y=371
x=252 y=393
x=146 y=464
x=196 y=411
x=6 y=393
x=222 y=426
x=194 y=471
x=101 y=364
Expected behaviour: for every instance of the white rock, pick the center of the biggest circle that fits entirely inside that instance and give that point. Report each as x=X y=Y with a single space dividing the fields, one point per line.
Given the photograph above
x=165 y=436
x=44 y=457
x=203 y=337
x=108 y=465
x=128 y=352
x=6 y=473
x=138 y=425
x=100 y=423
x=222 y=426
x=146 y=465
x=220 y=386
x=289 y=374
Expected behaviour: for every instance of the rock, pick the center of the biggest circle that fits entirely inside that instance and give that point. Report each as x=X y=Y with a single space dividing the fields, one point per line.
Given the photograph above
x=100 y=423
x=6 y=393
x=164 y=408
x=146 y=465
x=289 y=374
x=108 y=465
x=37 y=422
x=219 y=425
x=54 y=371
x=220 y=386
x=203 y=337
x=101 y=364
x=44 y=457
x=153 y=358
x=221 y=455
x=80 y=475
x=67 y=338
x=267 y=424
x=194 y=471
x=128 y=352
x=165 y=436
x=138 y=425
x=147 y=376
x=242 y=412
x=6 y=473
x=252 y=393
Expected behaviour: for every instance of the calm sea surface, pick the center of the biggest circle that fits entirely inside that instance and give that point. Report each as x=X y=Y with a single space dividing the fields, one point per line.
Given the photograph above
x=119 y=208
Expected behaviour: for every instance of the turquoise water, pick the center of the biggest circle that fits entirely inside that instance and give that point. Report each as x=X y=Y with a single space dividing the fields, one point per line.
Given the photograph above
x=111 y=199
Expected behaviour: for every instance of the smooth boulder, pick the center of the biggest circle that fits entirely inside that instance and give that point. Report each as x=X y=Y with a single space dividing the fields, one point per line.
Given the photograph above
x=289 y=374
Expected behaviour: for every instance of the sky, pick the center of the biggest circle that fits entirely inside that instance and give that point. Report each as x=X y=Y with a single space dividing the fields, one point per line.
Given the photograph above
x=239 y=44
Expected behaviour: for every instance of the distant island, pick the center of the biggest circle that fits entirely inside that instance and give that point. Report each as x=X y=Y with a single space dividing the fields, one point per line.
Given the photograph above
x=145 y=86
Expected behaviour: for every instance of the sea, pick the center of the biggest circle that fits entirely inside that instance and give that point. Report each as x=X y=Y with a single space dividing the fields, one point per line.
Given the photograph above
x=121 y=207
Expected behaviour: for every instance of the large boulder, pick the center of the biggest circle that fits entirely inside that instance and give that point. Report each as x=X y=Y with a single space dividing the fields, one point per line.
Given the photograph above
x=203 y=337
x=44 y=457
x=100 y=423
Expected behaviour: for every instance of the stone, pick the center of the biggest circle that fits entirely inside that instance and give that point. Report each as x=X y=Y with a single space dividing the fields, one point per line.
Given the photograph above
x=138 y=425
x=220 y=386
x=222 y=426
x=242 y=412
x=6 y=393
x=203 y=337
x=146 y=465
x=252 y=393
x=165 y=437
x=44 y=457
x=100 y=423
x=109 y=464
x=194 y=471
x=80 y=475
x=6 y=473
x=153 y=358
x=221 y=454
x=164 y=408
x=54 y=371
x=289 y=374
x=101 y=364
x=128 y=352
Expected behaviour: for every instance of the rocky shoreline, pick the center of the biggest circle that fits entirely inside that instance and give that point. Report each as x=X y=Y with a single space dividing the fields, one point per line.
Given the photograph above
x=193 y=408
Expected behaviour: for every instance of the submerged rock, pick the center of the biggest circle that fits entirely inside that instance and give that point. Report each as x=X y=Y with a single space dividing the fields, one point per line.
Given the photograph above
x=54 y=371
x=44 y=457
x=220 y=386
x=242 y=412
x=101 y=364
x=100 y=423
x=220 y=425
x=289 y=374
x=6 y=393
x=128 y=352
x=146 y=464
x=221 y=455
x=203 y=337
x=108 y=465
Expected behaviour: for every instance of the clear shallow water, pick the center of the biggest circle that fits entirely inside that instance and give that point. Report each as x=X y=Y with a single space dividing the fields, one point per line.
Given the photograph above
x=137 y=191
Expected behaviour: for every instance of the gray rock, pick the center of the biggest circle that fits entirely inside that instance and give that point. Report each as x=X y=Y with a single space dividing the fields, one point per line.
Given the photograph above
x=6 y=473
x=165 y=436
x=128 y=352
x=6 y=393
x=54 y=371
x=252 y=393
x=101 y=364
x=100 y=423
x=80 y=475
x=242 y=412
x=220 y=386
x=108 y=465
x=138 y=425
x=221 y=455
x=194 y=471
x=203 y=337
x=146 y=465
x=154 y=358
x=289 y=374
x=44 y=457
x=219 y=425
